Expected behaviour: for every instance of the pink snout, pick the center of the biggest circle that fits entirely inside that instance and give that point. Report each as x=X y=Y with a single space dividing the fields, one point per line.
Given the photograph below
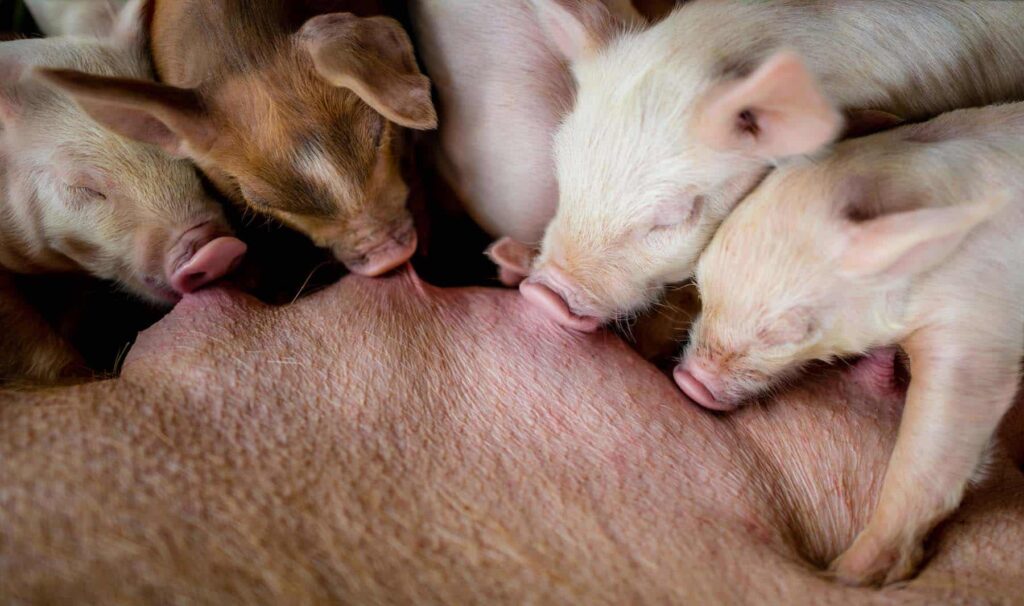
x=203 y=256
x=386 y=256
x=700 y=385
x=545 y=292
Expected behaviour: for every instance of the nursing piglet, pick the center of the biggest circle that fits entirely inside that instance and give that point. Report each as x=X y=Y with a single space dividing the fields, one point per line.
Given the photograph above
x=75 y=17
x=503 y=90
x=77 y=195
x=674 y=124
x=293 y=113
x=913 y=237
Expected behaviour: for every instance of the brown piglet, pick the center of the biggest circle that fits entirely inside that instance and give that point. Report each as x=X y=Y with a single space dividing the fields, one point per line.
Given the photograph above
x=293 y=112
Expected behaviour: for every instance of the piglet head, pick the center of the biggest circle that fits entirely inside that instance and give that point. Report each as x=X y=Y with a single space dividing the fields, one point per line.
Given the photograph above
x=310 y=134
x=658 y=149
x=102 y=203
x=815 y=265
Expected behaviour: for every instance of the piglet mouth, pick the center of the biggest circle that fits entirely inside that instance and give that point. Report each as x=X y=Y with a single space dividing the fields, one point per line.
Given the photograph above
x=160 y=290
x=202 y=255
x=385 y=254
x=700 y=393
x=556 y=295
x=554 y=306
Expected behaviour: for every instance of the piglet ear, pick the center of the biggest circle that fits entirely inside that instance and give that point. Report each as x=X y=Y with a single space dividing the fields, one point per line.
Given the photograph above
x=579 y=28
x=907 y=243
x=777 y=111
x=373 y=57
x=172 y=118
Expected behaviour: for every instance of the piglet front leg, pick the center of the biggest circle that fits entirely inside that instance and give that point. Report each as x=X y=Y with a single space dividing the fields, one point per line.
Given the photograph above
x=963 y=383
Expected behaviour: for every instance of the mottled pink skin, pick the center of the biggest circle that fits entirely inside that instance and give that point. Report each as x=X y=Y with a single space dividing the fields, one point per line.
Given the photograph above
x=384 y=441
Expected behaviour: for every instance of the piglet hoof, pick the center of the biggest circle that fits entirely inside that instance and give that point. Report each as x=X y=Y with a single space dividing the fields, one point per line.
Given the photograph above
x=872 y=561
x=513 y=259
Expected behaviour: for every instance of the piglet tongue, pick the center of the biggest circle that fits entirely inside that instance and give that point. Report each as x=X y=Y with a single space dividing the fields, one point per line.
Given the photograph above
x=213 y=261
x=554 y=307
x=698 y=392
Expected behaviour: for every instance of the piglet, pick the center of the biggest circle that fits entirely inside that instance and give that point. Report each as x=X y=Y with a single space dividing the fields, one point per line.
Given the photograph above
x=80 y=195
x=292 y=113
x=673 y=124
x=913 y=237
x=503 y=89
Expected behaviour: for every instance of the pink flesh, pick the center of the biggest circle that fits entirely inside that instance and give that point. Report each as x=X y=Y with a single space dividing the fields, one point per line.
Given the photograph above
x=213 y=261
x=513 y=259
x=386 y=258
x=697 y=392
x=555 y=307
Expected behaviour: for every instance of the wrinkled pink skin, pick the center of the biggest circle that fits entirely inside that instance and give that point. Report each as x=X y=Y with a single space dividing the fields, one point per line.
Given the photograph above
x=389 y=442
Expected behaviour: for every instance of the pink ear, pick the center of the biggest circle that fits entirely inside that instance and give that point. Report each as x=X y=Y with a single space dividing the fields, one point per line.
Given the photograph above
x=777 y=111
x=908 y=243
x=172 y=118
x=576 y=28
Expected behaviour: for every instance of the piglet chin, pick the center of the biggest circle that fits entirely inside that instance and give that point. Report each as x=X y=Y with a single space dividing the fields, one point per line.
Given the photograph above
x=698 y=392
x=554 y=307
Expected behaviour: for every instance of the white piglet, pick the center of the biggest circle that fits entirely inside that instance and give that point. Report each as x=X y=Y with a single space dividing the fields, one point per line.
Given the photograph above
x=674 y=124
x=503 y=90
x=913 y=237
x=78 y=196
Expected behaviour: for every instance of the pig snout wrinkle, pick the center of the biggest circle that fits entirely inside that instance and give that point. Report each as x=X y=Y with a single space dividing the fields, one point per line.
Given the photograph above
x=554 y=307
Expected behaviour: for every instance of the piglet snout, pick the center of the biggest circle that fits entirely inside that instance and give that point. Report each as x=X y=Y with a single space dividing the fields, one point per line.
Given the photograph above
x=544 y=293
x=697 y=383
x=394 y=251
x=203 y=256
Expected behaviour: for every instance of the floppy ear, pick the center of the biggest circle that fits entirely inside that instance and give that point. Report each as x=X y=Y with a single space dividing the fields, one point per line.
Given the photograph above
x=907 y=243
x=577 y=28
x=777 y=111
x=170 y=117
x=373 y=57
